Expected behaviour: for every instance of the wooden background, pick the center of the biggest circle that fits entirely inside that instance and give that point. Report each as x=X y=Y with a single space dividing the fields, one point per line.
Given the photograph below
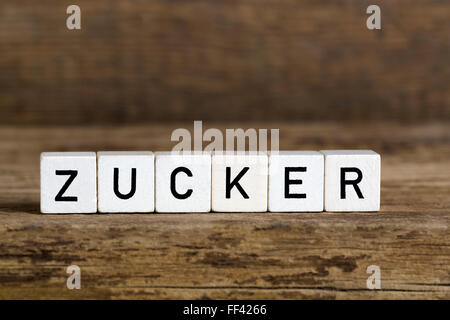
x=136 y=61
x=139 y=69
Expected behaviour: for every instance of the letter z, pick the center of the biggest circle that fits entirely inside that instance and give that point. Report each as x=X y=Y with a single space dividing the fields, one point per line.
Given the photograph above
x=72 y=175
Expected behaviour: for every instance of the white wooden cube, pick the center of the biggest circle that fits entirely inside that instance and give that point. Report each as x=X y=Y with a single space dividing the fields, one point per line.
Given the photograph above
x=296 y=181
x=352 y=180
x=183 y=182
x=68 y=182
x=239 y=182
x=126 y=181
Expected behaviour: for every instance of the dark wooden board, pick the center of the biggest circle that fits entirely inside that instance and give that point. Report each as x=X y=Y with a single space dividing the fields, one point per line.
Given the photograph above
x=137 y=61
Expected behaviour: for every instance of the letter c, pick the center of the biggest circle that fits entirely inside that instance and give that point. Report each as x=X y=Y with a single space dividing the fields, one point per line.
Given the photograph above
x=177 y=195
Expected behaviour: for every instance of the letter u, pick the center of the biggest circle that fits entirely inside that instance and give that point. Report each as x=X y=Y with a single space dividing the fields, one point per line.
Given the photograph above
x=116 y=184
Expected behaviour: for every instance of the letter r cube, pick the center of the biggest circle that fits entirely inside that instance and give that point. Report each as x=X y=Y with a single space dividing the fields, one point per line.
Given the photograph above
x=352 y=180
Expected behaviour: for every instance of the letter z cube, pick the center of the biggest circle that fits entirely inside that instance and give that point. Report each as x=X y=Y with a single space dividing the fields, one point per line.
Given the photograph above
x=68 y=182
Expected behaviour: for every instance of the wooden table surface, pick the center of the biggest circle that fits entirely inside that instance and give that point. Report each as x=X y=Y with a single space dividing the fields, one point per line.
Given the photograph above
x=224 y=256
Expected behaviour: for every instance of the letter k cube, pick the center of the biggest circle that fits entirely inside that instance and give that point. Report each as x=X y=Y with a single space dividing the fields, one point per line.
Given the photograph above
x=239 y=182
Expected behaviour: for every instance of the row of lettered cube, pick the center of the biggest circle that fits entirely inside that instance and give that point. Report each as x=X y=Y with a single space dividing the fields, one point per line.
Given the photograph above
x=171 y=182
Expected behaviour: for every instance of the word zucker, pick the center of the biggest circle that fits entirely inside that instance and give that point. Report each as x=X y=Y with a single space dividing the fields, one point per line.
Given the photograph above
x=284 y=181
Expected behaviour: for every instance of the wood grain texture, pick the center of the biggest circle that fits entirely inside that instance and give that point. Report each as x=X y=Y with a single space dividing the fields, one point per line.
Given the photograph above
x=224 y=256
x=137 y=61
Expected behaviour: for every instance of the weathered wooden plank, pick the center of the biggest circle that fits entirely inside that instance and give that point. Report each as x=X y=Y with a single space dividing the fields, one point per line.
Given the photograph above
x=268 y=255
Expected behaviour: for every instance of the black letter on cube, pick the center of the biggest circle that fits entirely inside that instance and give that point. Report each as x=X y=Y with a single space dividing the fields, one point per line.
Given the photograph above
x=177 y=195
x=288 y=182
x=235 y=182
x=72 y=175
x=354 y=183
x=116 y=184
